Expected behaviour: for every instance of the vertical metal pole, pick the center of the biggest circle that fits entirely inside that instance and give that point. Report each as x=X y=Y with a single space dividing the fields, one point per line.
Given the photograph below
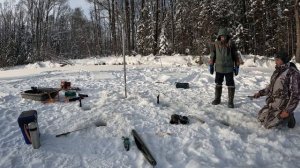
x=124 y=61
x=288 y=36
x=254 y=41
x=292 y=37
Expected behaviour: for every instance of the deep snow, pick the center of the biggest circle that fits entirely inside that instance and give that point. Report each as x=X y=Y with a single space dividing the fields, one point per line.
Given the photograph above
x=242 y=144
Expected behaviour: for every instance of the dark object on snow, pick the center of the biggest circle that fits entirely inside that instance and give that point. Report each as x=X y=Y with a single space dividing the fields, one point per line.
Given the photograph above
x=40 y=94
x=251 y=97
x=182 y=85
x=126 y=143
x=158 y=99
x=224 y=123
x=143 y=148
x=81 y=96
x=176 y=119
x=76 y=98
x=24 y=119
x=97 y=124
x=184 y=120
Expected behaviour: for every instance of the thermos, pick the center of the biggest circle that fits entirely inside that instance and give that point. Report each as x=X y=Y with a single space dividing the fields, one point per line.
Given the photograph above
x=34 y=135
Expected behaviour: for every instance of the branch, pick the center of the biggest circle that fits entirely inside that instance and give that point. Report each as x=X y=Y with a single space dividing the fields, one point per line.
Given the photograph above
x=101 y=4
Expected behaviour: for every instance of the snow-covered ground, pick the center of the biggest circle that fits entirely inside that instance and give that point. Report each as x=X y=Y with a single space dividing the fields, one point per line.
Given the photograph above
x=245 y=143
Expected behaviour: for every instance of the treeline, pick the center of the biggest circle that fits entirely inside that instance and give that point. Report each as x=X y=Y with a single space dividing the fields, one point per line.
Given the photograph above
x=39 y=30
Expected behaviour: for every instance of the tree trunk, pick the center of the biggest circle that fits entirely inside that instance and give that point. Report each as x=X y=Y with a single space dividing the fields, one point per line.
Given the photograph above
x=297 y=18
x=156 y=28
x=244 y=22
x=127 y=23
x=142 y=4
x=118 y=27
x=132 y=25
x=113 y=27
x=173 y=25
x=96 y=34
x=37 y=31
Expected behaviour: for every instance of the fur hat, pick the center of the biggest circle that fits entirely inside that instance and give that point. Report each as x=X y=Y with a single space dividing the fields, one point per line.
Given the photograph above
x=283 y=55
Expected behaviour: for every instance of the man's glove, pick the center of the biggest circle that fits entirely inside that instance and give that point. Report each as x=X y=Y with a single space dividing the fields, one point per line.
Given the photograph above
x=236 y=70
x=211 y=68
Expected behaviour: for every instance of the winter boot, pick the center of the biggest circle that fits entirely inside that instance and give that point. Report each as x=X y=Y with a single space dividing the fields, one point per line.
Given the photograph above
x=231 y=90
x=291 y=121
x=218 y=93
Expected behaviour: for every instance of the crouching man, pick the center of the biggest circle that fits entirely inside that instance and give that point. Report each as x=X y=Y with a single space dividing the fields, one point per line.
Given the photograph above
x=283 y=94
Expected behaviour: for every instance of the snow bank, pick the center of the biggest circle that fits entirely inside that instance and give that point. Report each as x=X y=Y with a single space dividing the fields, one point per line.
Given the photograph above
x=244 y=143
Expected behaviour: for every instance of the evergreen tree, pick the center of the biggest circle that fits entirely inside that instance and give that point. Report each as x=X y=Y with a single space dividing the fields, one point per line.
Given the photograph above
x=145 y=31
x=23 y=46
x=163 y=43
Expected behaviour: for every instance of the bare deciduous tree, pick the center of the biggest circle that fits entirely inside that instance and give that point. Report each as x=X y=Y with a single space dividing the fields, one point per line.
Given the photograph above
x=297 y=18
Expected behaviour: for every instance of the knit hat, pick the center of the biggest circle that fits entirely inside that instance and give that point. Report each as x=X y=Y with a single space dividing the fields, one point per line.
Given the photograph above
x=283 y=55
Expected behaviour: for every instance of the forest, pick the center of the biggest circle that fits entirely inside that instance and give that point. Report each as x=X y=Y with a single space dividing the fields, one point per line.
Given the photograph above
x=41 y=30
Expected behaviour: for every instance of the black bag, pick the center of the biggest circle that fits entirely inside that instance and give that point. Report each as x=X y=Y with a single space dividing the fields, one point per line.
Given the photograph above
x=182 y=85
x=184 y=120
x=176 y=119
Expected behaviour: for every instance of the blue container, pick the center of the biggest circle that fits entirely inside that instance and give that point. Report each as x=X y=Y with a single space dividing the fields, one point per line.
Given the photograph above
x=24 y=119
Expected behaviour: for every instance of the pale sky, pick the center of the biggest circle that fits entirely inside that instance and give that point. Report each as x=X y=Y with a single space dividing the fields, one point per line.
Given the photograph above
x=1 y=1
x=73 y=4
x=82 y=4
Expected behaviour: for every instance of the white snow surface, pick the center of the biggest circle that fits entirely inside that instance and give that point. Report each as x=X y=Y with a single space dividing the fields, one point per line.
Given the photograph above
x=244 y=143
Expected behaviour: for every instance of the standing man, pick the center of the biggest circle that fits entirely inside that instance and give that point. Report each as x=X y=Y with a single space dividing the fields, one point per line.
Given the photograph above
x=283 y=94
x=224 y=60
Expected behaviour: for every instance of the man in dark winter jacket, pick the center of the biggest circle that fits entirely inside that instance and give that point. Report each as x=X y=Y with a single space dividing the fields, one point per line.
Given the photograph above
x=224 y=60
x=283 y=94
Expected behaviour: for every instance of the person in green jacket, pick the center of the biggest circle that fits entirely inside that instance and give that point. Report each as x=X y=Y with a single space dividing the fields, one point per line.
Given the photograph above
x=224 y=60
